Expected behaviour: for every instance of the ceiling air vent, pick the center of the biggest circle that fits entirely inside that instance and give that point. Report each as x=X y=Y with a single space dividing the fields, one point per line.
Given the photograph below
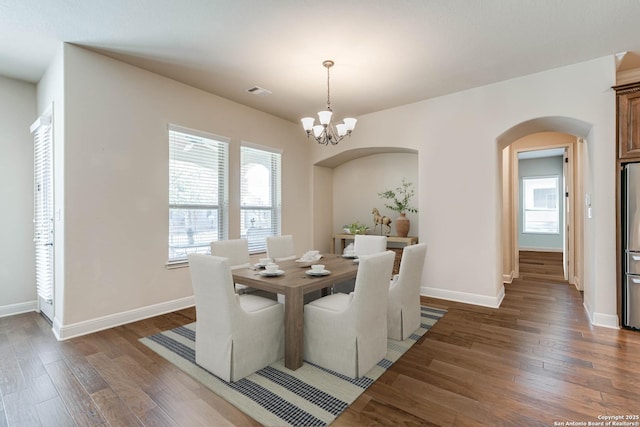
x=259 y=91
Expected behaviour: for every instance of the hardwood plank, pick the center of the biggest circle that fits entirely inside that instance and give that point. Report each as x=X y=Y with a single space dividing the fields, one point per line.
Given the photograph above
x=536 y=265
x=84 y=372
x=456 y=402
x=3 y=415
x=20 y=408
x=113 y=410
x=52 y=412
x=399 y=406
x=78 y=402
x=122 y=384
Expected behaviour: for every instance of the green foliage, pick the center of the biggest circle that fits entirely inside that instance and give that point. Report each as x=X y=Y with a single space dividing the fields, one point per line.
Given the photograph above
x=400 y=198
x=356 y=228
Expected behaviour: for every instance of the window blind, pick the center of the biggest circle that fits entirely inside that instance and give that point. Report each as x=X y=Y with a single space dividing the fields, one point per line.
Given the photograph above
x=43 y=206
x=198 y=164
x=260 y=200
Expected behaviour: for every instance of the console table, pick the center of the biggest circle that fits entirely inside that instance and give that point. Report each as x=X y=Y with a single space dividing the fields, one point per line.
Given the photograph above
x=342 y=238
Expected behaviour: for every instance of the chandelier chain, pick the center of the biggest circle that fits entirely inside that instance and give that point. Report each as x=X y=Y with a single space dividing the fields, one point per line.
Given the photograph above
x=328 y=89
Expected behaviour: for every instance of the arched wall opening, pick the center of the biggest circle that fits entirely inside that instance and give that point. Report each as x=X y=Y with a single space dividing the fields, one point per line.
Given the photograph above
x=540 y=133
x=346 y=186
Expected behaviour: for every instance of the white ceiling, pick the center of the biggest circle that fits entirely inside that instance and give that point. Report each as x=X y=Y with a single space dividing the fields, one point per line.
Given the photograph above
x=387 y=52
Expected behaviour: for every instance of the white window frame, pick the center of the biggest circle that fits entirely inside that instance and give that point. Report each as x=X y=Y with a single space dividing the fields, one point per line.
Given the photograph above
x=528 y=208
x=209 y=148
x=261 y=210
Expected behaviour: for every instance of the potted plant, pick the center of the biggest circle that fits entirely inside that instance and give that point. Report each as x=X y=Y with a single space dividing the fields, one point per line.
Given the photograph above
x=400 y=201
x=355 y=228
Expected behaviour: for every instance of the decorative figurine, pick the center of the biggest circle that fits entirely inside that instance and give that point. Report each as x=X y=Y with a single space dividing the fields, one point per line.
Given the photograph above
x=382 y=220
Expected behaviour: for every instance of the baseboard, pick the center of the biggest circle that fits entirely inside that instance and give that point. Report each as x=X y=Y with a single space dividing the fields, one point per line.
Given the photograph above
x=507 y=278
x=23 y=307
x=576 y=282
x=605 y=320
x=540 y=249
x=475 y=299
x=64 y=332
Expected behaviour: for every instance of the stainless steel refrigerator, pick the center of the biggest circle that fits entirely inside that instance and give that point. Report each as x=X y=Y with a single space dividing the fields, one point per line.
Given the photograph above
x=631 y=236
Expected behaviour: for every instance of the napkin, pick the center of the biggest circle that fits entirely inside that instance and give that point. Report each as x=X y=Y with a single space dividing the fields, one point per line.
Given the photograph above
x=311 y=256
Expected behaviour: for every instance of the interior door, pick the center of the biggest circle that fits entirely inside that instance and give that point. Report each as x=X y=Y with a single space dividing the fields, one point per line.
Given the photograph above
x=43 y=213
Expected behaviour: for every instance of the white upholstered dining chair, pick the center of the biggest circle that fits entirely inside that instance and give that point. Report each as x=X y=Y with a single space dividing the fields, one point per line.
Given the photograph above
x=348 y=333
x=403 y=310
x=237 y=253
x=235 y=334
x=281 y=248
x=367 y=244
x=235 y=250
x=362 y=245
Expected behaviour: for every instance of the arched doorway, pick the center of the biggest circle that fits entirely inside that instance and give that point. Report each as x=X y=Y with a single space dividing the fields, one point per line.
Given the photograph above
x=508 y=153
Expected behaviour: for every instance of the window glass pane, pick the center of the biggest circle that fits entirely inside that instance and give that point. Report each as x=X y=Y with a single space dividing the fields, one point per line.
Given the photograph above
x=540 y=200
x=197 y=192
x=259 y=196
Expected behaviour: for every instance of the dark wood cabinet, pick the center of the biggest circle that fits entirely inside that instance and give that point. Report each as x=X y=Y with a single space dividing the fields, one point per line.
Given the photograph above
x=628 y=106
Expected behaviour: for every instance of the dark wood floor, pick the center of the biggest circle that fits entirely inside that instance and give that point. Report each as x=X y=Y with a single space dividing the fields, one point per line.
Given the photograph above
x=534 y=361
x=536 y=265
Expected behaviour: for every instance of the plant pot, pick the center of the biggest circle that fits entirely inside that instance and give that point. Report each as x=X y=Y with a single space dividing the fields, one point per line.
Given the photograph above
x=402 y=225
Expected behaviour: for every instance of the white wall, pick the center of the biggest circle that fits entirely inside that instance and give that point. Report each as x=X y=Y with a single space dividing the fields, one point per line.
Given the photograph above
x=460 y=193
x=116 y=185
x=17 y=254
x=356 y=185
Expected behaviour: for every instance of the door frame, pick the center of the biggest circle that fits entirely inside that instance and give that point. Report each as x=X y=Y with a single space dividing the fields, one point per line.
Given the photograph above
x=47 y=308
x=570 y=214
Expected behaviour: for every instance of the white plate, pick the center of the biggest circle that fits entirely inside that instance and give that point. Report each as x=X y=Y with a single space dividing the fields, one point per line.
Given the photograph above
x=322 y=273
x=269 y=274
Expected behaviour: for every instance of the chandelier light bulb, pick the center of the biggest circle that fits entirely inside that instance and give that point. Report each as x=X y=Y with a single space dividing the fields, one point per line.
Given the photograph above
x=350 y=123
x=307 y=123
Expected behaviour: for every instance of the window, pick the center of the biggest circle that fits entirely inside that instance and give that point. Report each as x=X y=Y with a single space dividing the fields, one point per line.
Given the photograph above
x=540 y=202
x=197 y=191
x=259 y=195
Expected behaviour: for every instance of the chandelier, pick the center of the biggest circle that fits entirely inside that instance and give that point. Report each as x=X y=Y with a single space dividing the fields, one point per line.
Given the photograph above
x=325 y=133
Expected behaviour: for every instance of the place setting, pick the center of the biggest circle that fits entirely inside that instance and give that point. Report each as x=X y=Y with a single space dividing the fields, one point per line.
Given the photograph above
x=350 y=253
x=317 y=270
x=271 y=270
x=262 y=263
x=309 y=258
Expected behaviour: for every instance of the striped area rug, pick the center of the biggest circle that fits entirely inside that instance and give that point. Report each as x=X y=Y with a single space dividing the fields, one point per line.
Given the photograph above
x=277 y=396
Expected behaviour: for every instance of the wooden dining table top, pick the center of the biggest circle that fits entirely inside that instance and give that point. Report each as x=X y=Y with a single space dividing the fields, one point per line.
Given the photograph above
x=293 y=283
x=295 y=276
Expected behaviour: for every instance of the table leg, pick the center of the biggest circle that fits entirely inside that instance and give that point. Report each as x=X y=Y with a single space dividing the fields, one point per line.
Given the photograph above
x=293 y=328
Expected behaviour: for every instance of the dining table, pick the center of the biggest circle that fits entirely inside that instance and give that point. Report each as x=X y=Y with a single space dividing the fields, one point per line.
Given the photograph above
x=294 y=281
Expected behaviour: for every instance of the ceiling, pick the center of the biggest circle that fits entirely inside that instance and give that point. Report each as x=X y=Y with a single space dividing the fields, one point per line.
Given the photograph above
x=387 y=53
